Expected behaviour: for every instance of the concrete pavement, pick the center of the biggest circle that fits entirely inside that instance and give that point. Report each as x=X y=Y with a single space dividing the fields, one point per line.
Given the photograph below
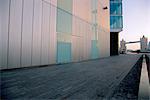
x=85 y=80
x=148 y=64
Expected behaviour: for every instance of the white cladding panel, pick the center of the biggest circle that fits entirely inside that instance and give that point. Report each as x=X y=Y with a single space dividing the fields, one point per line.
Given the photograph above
x=15 y=33
x=53 y=2
x=0 y=35
x=81 y=38
x=36 y=50
x=45 y=34
x=27 y=33
x=103 y=18
x=52 y=52
x=104 y=43
x=4 y=22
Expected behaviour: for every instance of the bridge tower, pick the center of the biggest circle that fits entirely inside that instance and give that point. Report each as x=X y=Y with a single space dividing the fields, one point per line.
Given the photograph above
x=149 y=46
x=143 y=42
x=123 y=46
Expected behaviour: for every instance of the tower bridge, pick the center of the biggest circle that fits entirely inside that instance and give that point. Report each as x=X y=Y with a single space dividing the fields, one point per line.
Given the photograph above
x=143 y=44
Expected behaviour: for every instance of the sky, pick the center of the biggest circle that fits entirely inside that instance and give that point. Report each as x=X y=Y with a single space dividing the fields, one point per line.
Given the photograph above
x=136 y=21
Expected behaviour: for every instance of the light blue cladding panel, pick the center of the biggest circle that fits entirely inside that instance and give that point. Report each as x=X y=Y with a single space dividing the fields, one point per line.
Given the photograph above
x=94 y=50
x=27 y=31
x=64 y=21
x=15 y=31
x=36 y=50
x=63 y=52
x=64 y=16
x=4 y=26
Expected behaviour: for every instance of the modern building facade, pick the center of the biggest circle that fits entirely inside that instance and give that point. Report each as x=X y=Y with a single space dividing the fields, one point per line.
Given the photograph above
x=116 y=25
x=43 y=32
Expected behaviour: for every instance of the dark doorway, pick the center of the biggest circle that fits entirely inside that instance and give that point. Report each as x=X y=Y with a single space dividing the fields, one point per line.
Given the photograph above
x=113 y=43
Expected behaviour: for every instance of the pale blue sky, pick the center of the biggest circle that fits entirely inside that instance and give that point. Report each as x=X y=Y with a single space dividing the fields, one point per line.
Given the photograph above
x=136 y=21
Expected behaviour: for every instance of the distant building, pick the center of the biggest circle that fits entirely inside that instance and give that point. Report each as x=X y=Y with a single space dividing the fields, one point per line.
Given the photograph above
x=144 y=41
x=116 y=25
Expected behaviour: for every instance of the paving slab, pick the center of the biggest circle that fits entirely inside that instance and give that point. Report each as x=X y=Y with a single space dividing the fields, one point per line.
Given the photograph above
x=94 y=79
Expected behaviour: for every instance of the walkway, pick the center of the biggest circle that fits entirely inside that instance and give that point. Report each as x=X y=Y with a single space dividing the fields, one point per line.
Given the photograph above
x=86 y=80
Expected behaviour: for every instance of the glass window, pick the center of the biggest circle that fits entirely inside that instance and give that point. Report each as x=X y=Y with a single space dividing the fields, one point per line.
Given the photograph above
x=116 y=8
x=116 y=22
x=116 y=0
